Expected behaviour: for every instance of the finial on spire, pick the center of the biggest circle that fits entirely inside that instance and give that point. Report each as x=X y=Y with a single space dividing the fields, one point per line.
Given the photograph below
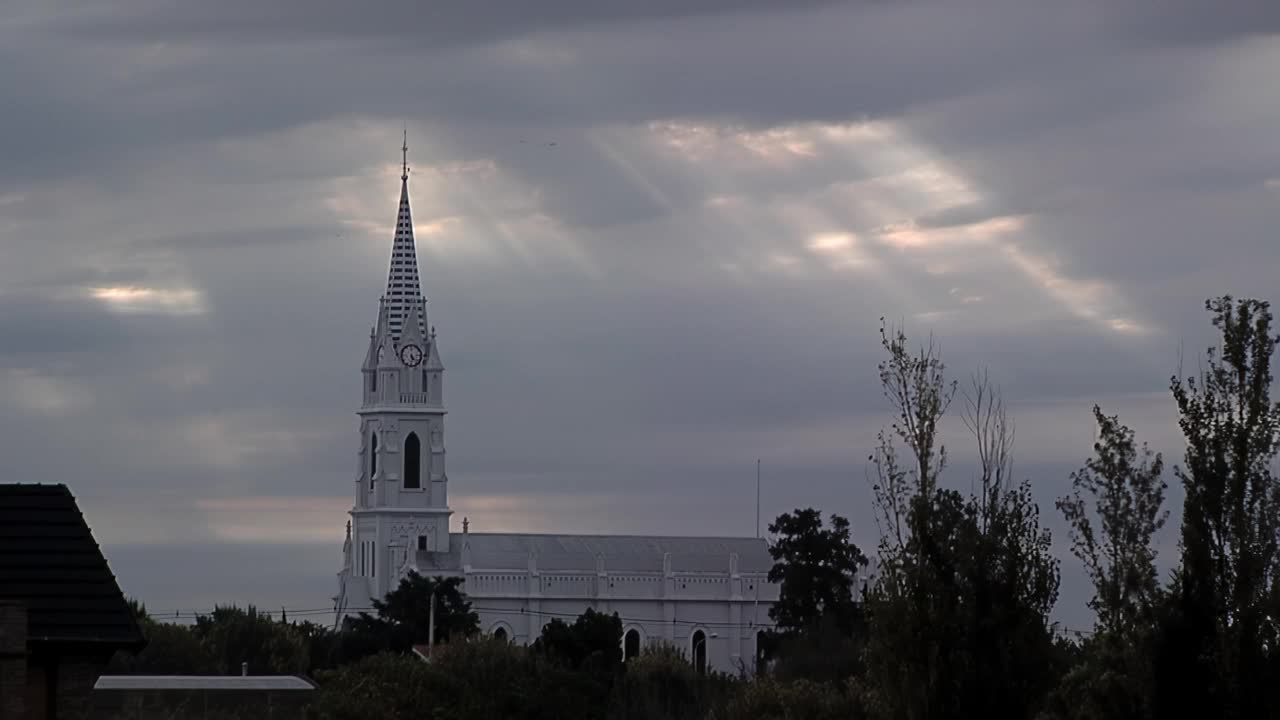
x=404 y=149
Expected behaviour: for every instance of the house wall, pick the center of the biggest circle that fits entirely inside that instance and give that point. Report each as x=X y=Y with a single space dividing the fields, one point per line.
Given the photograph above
x=75 y=677
x=33 y=680
x=13 y=662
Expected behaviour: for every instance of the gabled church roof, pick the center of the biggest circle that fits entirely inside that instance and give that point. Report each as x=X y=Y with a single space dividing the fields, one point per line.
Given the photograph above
x=627 y=553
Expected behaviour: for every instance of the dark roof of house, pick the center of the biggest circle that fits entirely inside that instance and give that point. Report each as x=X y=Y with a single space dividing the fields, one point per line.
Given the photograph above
x=50 y=563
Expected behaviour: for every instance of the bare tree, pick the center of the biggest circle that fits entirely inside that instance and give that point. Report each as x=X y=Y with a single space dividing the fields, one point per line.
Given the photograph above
x=985 y=417
x=915 y=385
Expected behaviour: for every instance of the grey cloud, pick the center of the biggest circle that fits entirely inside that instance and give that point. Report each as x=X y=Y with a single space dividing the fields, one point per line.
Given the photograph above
x=33 y=327
x=236 y=150
x=480 y=21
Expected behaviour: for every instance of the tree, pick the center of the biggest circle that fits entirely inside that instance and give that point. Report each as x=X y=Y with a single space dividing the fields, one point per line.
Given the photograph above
x=959 y=609
x=387 y=685
x=1219 y=636
x=405 y=613
x=661 y=684
x=171 y=649
x=1122 y=488
x=1114 y=510
x=409 y=605
x=233 y=636
x=593 y=642
x=322 y=643
x=817 y=568
x=768 y=699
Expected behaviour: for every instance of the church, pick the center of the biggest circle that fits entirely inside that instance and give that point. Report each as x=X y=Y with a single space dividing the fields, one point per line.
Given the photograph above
x=707 y=596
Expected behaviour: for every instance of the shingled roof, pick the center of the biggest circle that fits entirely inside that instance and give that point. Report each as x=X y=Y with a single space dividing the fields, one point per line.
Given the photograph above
x=50 y=563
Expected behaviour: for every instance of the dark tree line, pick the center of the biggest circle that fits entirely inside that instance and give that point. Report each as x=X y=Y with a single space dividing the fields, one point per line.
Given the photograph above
x=956 y=615
x=949 y=618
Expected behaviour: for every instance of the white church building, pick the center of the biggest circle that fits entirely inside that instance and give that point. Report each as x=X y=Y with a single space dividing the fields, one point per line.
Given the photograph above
x=708 y=596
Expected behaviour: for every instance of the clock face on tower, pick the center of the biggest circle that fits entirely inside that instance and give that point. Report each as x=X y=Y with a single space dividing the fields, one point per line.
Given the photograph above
x=411 y=354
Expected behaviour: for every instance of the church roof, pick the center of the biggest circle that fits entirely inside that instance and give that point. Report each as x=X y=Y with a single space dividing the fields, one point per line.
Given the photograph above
x=622 y=553
x=50 y=563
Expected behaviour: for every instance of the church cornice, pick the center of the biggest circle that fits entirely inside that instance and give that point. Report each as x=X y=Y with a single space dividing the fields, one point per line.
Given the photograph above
x=400 y=511
x=401 y=409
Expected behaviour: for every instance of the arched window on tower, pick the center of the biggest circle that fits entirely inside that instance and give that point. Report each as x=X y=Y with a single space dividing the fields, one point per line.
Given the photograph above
x=700 y=651
x=412 y=462
x=500 y=634
x=426 y=385
x=631 y=644
x=373 y=458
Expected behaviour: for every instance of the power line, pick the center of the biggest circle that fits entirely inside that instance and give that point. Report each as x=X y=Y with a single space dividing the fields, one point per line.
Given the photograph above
x=194 y=614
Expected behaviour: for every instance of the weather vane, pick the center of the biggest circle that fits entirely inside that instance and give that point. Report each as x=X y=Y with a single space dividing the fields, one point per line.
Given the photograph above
x=405 y=150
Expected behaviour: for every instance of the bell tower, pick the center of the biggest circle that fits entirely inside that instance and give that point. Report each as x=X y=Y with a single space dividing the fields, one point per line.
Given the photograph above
x=401 y=509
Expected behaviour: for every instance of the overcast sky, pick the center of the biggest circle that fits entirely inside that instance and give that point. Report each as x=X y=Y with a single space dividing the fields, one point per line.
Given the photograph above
x=657 y=238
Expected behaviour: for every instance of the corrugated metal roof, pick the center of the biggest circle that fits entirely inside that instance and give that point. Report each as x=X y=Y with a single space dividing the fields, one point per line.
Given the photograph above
x=203 y=682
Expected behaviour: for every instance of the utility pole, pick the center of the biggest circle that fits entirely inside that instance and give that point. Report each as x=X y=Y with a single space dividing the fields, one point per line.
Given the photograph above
x=431 y=625
x=757 y=497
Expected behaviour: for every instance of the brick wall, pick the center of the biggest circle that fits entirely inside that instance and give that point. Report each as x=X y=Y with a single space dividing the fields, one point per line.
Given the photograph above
x=76 y=677
x=13 y=662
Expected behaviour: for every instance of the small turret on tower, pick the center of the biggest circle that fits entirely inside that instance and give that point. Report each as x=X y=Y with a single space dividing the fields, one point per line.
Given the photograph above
x=433 y=355
x=411 y=332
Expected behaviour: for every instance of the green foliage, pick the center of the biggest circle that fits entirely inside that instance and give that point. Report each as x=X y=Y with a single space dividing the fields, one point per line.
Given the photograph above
x=1109 y=678
x=386 y=685
x=233 y=636
x=408 y=608
x=593 y=642
x=772 y=700
x=821 y=653
x=487 y=678
x=816 y=568
x=956 y=621
x=1124 y=488
x=216 y=644
x=579 y=662
x=1114 y=510
x=1217 y=652
x=403 y=620
x=958 y=615
x=660 y=684
x=171 y=650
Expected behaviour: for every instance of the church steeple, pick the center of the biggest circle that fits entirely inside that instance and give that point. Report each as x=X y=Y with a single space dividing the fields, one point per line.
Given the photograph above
x=401 y=507
x=403 y=286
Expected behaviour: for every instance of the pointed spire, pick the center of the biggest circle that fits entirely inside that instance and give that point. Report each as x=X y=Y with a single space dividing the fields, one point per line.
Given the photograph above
x=403 y=286
x=386 y=343
x=371 y=356
x=433 y=353
x=411 y=330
